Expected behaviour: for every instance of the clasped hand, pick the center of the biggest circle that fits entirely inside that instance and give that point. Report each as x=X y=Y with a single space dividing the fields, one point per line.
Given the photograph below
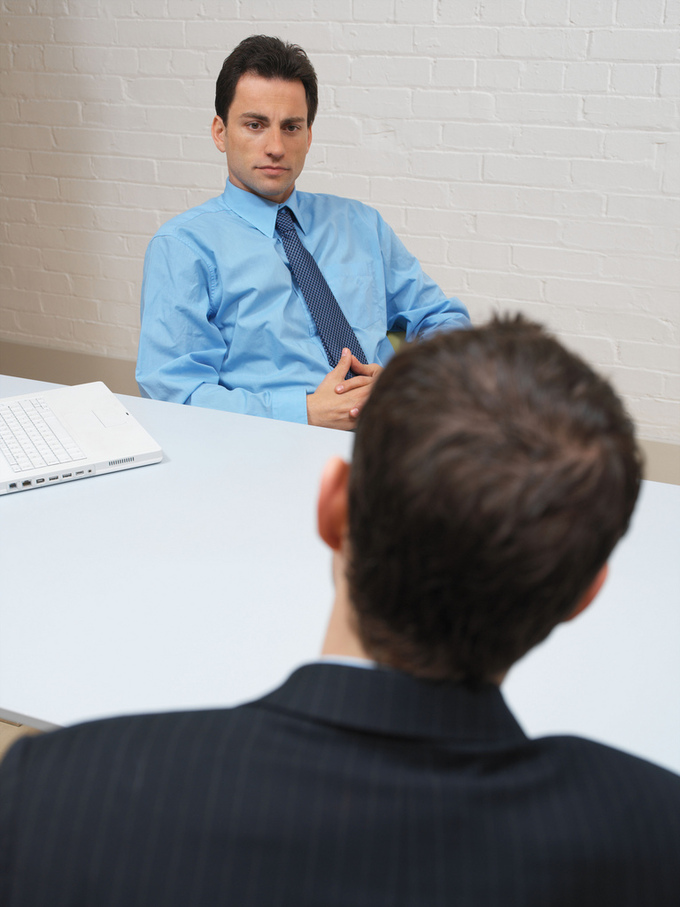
x=337 y=401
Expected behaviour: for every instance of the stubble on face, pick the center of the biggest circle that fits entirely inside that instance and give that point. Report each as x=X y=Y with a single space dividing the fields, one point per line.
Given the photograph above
x=266 y=137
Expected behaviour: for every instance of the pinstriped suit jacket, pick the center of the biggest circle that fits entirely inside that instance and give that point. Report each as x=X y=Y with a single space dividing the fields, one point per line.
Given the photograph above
x=343 y=787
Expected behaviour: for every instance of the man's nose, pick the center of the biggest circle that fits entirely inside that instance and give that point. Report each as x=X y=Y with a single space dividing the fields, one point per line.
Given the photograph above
x=274 y=144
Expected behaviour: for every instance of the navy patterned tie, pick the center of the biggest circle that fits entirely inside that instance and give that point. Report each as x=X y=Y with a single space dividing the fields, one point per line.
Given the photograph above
x=334 y=329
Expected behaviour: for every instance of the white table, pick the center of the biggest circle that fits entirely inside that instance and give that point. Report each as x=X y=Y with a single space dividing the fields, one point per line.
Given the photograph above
x=196 y=581
x=613 y=673
x=200 y=581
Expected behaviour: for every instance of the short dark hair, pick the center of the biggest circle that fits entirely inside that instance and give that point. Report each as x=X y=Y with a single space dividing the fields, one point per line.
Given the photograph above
x=270 y=58
x=493 y=473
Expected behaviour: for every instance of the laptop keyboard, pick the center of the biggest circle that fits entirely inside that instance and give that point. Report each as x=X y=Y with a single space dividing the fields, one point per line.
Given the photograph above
x=31 y=436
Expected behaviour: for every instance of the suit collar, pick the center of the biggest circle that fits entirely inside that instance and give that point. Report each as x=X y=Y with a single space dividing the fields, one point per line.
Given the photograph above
x=390 y=702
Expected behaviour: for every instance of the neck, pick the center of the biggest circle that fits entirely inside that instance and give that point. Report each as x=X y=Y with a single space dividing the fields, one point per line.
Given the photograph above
x=341 y=636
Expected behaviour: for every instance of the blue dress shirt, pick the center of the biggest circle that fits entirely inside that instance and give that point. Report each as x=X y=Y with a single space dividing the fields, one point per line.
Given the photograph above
x=225 y=326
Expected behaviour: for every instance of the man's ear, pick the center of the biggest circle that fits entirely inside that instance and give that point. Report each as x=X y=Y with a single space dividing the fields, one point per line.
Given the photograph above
x=332 y=504
x=590 y=592
x=309 y=137
x=219 y=134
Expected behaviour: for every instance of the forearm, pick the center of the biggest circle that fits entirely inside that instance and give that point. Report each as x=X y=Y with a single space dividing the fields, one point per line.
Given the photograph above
x=415 y=303
x=286 y=404
x=449 y=314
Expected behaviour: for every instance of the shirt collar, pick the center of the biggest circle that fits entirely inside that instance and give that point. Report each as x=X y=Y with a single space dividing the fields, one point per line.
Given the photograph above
x=258 y=211
x=349 y=660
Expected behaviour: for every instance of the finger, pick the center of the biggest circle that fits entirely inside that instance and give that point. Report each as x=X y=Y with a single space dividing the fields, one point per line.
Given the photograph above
x=353 y=384
x=364 y=368
x=344 y=363
x=359 y=368
x=355 y=401
x=342 y=368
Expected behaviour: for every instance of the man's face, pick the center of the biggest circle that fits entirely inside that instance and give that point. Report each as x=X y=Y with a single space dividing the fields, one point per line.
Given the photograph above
x=266 y=137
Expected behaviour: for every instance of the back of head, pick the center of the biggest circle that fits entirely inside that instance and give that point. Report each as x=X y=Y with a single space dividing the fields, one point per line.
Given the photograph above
x=493 y=473
x=270 y=58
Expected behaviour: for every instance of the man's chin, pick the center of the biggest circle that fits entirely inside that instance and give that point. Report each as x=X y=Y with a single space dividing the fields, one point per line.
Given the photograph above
x=271 y=188
x=272 y=192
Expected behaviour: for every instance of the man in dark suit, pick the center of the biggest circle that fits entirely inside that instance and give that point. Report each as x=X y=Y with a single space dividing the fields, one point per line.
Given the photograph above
x=492 y=476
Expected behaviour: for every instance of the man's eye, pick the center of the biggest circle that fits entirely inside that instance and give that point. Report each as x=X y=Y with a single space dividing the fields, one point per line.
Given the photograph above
x=253 y=126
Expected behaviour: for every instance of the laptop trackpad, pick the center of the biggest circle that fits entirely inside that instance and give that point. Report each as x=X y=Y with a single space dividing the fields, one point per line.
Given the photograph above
x=112 y=416
x=95 y=420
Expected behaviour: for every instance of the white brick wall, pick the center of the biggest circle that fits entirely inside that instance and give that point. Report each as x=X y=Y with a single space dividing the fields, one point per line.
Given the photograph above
x=527 y=150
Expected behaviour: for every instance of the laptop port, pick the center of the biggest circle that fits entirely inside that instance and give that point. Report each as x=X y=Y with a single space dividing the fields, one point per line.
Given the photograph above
x=67 y=475
x=13 y=485
x=53 y=478
x=39 y=481
x=26 y=483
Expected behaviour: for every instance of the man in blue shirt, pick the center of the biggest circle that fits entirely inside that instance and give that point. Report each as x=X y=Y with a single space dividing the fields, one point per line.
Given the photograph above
x=224 y=323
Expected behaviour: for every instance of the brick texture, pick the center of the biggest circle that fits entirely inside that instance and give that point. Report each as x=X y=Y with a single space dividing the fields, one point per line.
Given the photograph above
x=526 y=150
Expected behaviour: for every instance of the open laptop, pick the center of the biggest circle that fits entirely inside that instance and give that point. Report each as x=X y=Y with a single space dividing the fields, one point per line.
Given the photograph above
x=68 y=433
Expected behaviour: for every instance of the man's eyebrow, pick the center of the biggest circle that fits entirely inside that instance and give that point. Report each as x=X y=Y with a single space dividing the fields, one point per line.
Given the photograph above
x=253 y=115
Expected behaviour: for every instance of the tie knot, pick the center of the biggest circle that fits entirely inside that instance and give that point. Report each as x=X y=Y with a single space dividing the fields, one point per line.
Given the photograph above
x=284 y=221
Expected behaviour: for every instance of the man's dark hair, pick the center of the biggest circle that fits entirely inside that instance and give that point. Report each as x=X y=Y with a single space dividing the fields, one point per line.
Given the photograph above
x=493 y=474
x=270 y=58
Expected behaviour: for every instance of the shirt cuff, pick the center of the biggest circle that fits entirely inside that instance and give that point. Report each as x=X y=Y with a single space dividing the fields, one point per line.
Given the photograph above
x=290 y=405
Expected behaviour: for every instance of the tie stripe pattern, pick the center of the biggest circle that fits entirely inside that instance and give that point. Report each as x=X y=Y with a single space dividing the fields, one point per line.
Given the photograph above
x=334 y=329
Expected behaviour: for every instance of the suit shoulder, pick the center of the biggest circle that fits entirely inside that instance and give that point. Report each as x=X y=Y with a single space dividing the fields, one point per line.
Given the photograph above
x=604 y=753
x=107 y=741
x=631 y=780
